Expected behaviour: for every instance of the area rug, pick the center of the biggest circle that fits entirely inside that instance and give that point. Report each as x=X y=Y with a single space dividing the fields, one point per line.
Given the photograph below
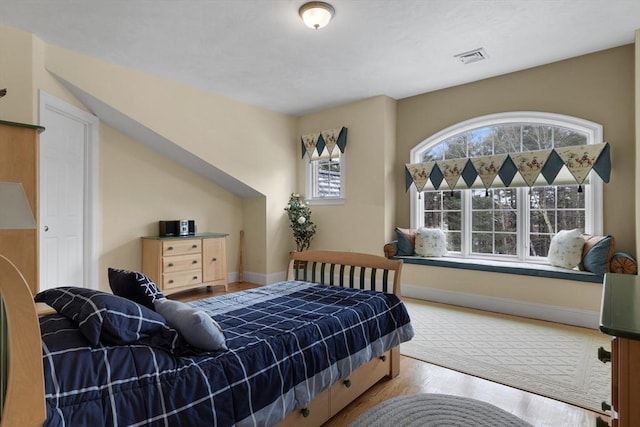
x=545 y=358
x=433 y=410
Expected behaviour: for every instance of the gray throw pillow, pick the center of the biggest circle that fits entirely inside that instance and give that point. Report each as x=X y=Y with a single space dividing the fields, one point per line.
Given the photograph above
x=196 y=326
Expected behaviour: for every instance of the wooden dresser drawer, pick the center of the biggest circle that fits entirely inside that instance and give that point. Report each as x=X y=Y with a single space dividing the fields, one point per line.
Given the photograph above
x=181 y=278
x=171 y=264
x=177 y=264
x=181 y=247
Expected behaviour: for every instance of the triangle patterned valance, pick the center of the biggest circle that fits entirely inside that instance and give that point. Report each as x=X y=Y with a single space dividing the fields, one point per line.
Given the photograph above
x=557 y=166
x=329 y=139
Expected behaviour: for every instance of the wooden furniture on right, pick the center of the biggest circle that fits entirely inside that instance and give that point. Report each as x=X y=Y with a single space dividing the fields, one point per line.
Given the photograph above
x=620 y=318
x=180 y=263
x=19 y=163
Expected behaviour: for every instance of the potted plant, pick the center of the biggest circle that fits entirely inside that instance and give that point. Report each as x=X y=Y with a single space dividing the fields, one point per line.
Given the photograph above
x=300 y=222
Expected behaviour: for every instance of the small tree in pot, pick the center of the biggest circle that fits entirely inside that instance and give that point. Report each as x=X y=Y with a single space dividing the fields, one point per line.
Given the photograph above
x=300 y=222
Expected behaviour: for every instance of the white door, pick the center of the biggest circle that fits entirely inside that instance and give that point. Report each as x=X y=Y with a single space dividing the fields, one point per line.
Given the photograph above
x=66 y=225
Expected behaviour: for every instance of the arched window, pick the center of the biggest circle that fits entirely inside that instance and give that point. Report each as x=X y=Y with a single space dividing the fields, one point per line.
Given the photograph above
x=514 y=223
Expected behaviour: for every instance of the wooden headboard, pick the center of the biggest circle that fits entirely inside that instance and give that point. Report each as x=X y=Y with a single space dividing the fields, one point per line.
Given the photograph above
x=23 y=397
x=347 y=270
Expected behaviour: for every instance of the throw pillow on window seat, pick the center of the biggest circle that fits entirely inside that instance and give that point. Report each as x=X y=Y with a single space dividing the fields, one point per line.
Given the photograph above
x=566 y=248
x=430 y=242
x=406 y=241
x=596 y=254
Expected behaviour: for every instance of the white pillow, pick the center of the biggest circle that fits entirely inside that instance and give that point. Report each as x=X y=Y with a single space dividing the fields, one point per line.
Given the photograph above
x=566 y=248
x=430 y=242
x=196 y=326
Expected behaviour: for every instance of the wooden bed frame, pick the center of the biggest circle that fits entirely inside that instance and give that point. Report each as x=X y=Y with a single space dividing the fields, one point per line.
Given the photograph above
x=349 y=270
x=24 y=396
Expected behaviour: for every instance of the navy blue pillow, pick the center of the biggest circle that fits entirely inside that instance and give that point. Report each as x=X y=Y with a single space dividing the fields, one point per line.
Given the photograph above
x=406 y=241
x=110 y=319
x=135 y=286
x=597 y=256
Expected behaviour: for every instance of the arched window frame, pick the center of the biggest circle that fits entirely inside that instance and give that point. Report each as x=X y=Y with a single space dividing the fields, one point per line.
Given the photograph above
x=593 y=191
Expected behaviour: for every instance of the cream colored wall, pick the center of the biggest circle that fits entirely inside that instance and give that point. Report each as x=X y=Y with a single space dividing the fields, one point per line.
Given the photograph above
x=556 y=293
x=597 y=87
x=359 y=224
x=251 y=144
x=212 y=127
x=16 y=74
x=138 y=187
x=637 y=138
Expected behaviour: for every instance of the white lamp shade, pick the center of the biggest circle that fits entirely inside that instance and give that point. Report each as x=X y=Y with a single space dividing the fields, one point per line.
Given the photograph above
x=316 y=14
x=15 y=212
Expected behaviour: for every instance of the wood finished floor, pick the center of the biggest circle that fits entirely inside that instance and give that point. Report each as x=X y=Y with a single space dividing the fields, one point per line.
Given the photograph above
x=420 y=377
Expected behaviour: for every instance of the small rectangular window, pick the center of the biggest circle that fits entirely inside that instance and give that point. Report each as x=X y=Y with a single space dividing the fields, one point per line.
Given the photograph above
x=325 y=178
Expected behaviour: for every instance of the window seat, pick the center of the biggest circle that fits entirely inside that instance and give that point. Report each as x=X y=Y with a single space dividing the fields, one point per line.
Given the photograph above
x=537 y=270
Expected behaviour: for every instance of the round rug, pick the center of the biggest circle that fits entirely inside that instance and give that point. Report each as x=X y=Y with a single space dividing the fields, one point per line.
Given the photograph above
x=436 y=410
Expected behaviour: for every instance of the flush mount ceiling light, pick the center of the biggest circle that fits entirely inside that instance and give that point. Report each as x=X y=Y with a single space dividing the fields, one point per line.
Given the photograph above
x=316 y=14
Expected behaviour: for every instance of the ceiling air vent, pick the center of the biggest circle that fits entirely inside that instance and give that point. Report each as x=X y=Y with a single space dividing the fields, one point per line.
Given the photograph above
x=472 y=56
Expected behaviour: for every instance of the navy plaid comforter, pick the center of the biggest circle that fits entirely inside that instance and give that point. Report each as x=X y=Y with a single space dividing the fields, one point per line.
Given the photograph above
x=287 y=342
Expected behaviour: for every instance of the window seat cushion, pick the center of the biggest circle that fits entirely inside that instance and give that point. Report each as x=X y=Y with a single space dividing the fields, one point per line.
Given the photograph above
x=598 y=258
x=524 y=269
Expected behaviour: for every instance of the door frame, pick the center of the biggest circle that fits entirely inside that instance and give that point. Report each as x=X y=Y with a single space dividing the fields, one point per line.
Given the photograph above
x=48 y=102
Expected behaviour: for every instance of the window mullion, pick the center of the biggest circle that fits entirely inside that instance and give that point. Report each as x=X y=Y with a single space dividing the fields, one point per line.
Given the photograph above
x=523 y=205
x=465 y=246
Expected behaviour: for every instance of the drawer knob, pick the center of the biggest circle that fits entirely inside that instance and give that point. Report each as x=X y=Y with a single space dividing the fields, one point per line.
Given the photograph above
x=195 y=277
x=347 y=383
x=194 y=246
x=603 y=355
x=601 y=423
x=383 y=357
x=305 y=412
x=605 y=406
x=170 y=248
x=214 y=259
x=194 y=261
x=170 y=264
x=171 y=281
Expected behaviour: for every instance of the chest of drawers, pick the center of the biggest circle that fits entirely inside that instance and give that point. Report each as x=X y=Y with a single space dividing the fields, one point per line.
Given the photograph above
x=620 y=318
x=186 y=262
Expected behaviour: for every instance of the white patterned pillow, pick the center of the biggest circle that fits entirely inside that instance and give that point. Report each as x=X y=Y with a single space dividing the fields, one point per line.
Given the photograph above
x=566 y=248
x=430 y=242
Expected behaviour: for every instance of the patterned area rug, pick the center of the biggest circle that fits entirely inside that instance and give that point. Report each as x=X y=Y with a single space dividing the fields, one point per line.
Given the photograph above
x=545 y=358
x=433 y=410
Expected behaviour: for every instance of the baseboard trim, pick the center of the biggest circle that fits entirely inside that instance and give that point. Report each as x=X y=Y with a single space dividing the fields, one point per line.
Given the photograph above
x=260 y=278
x=551 y=313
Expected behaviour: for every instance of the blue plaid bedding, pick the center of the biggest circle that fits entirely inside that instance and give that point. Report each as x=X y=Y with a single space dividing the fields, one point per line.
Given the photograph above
x=287 y=342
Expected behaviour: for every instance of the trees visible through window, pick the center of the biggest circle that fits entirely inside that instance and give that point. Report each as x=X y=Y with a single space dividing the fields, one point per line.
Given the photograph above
x=325 y=179
x=508 y=223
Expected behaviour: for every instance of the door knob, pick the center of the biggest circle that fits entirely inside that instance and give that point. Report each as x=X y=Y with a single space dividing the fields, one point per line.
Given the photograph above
x=46 y=228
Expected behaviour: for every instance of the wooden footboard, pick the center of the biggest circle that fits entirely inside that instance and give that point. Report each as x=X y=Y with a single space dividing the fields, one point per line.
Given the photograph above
x=23 y=387
x=350 y=270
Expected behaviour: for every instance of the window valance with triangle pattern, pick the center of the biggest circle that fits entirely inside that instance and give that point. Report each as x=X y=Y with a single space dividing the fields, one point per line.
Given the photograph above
x=329 y=139
x=556 y=166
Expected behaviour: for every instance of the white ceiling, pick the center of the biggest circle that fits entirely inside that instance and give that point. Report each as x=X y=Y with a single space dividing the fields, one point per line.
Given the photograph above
x=260 y=52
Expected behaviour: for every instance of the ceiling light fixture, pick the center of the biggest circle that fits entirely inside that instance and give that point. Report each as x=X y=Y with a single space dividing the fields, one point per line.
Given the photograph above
x=316 y=14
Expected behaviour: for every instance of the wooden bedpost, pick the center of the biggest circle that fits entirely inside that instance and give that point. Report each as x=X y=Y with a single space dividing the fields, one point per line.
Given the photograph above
x=24 y=403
